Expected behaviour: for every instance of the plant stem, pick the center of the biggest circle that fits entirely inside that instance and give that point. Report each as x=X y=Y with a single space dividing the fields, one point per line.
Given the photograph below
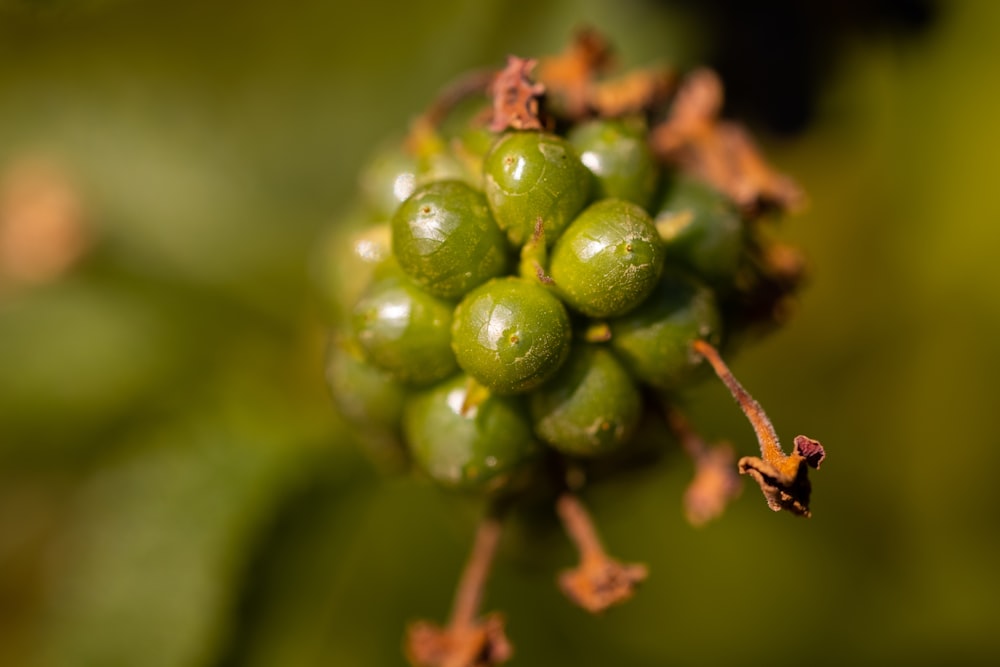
x=469 y=594
x=580 y=527
x=770 y=448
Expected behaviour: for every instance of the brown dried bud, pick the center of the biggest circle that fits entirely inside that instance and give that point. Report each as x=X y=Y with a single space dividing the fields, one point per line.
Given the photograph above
x=785 y=484
x=720 y=152
x=515 y=97
x=483 y=644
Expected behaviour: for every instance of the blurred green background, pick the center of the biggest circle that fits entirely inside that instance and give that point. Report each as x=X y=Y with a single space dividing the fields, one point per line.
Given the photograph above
x=175 y=489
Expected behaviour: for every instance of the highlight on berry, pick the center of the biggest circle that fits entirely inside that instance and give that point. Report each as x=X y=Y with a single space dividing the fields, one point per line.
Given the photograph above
x=527 y=285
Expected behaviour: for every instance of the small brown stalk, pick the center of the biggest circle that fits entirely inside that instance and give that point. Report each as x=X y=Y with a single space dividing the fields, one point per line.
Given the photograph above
x=467 y=640
x=782 y=477
x=599 y=581
x=715 y=480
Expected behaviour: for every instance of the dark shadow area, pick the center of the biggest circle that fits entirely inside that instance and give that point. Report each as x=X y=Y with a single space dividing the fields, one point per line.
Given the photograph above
x=776 y=55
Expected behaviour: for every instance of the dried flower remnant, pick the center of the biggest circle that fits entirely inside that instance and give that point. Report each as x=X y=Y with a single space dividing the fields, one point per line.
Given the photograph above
x=43 y=233
x=720 y=152
x=715 y=480
x=568 y=75
x=467 y=641
x=572 y=81
x=782 y=477
x=515 y=97
x=632 y=93
x=599 y=581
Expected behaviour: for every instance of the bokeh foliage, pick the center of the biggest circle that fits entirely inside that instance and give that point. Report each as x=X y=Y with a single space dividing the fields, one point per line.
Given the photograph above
x=175 y=489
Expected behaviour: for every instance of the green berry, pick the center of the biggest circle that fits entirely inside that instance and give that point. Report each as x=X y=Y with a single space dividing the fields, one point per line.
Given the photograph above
x=387 y=180
x=465 y=444
x=617 y=153
x=446 y=240
x=370 y=400
x=347 y=262
x=532 y=176
x=510 y=334
x=404 y=330
x=590 y=407
x=608 y=260
x=654 y=340
x=702 y=230
x=363 y=393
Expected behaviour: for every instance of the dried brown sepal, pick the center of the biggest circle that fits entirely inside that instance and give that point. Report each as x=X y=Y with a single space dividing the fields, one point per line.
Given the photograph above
x=482 y=644
x=44 y=232
x=714 y=485
x=786 y=486
x=782 y=477
x=515 y=96
x=720 y=152
x=468 y=640
x=631 y=93
x=715 y=481
x=600 y=584
x=599 y=581
x=568 y=76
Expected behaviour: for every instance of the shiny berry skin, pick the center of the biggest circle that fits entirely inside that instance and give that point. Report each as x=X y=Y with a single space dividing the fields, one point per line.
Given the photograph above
x=445 y=239
x=364 y=394
x=483 y=446
x=370 y=400
x=404 y=330
x=617 y=153
x=590 y=407
x=348 y=260
x=529 y=176
x=654 y=340
x=387 y=180
x=608 y=260
x=702 y=230
x=510 y=334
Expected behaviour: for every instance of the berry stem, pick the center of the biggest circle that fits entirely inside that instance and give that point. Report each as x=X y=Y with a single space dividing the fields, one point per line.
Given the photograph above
x=693 y=444
x=715 y=481
x=782 y=477
x=580 y=527
x=599 y=581
x=469 y=594
x=770 y=448
x=468 y=640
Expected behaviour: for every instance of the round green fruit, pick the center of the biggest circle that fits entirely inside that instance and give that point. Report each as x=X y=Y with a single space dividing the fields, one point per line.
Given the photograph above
x=532 y=177
x=590 y=407
x=510 y=334
x=466 y=444
x=404 y=330
x=389 y=177
x=608 y=260
x=654 y=340
x=445 y=239
x=702 y=230
x=617 y=153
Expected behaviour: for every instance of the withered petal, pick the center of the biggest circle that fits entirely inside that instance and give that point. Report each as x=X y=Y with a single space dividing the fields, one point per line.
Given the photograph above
x=782 y=491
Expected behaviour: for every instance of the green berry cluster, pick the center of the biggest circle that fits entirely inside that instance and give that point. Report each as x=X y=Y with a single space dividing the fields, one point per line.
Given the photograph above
x=538 y=286
x=524 y=282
